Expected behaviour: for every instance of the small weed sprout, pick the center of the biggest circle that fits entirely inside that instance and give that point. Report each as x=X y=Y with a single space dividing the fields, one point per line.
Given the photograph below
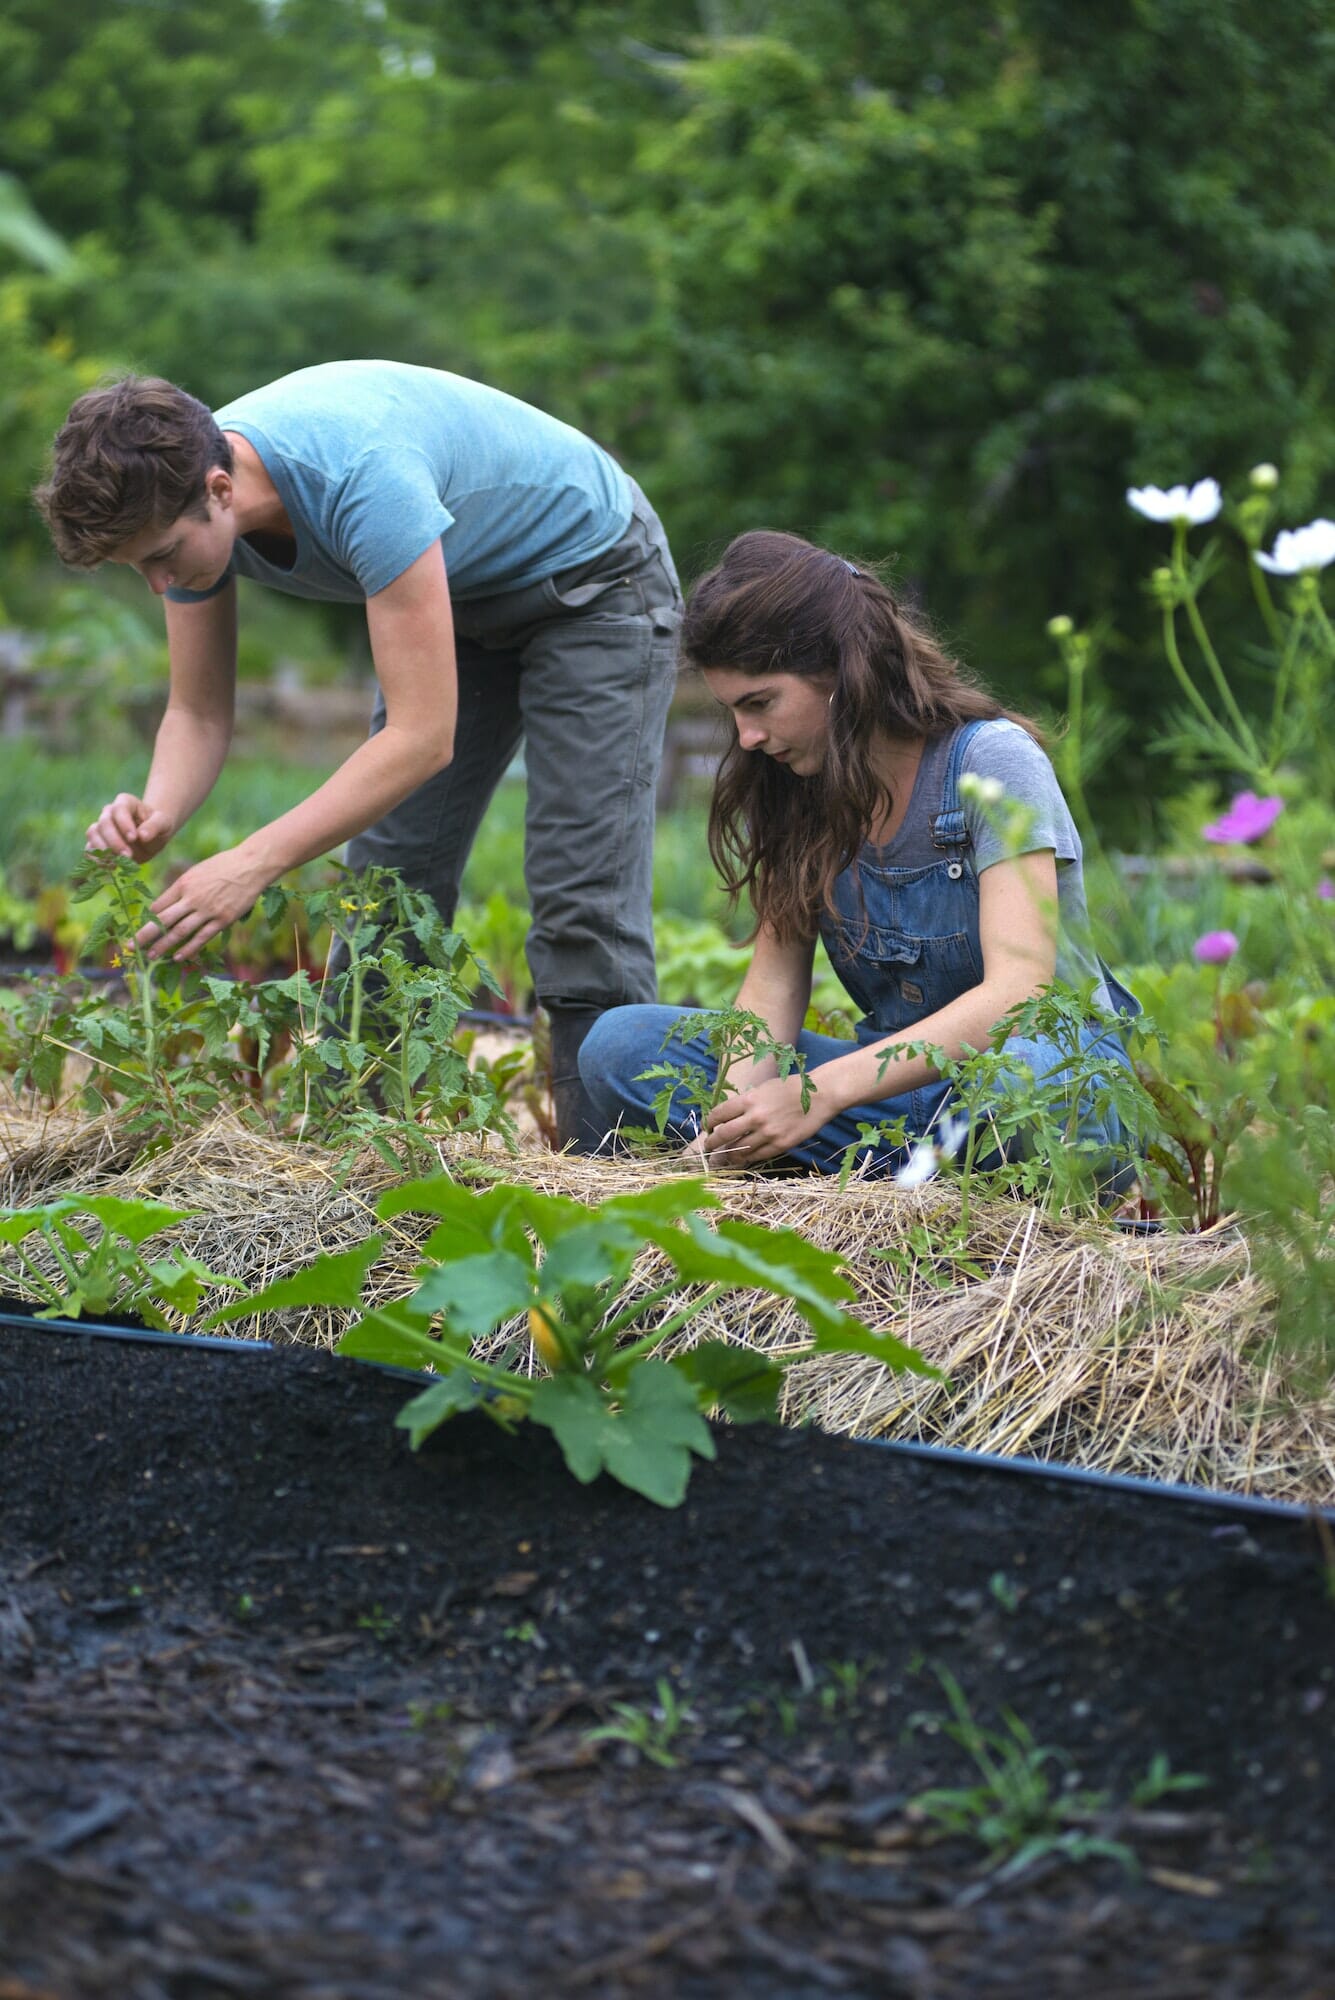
x=1015 y=1812
x=648 y=1731
x=1161 y=1782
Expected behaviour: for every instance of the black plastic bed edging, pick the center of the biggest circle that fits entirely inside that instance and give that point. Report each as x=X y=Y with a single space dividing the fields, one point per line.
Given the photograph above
x=1121 y=1482
x=13 y=1314
x=983 y=1461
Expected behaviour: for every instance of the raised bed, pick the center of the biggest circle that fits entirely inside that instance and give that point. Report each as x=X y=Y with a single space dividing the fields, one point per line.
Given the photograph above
x=288 y=1711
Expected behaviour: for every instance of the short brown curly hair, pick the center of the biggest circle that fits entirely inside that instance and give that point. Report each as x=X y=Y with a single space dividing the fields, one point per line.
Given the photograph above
x=133 y=454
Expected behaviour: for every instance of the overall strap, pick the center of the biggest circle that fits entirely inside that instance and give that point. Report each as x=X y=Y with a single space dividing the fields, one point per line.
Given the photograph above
x=948 y=828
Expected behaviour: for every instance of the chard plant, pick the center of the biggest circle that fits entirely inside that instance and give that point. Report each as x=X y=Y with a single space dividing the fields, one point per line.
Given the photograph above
x=563 y=1269
x=82 y=1255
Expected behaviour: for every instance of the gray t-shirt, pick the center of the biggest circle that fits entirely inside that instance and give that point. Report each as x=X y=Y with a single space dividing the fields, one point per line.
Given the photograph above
x=1004 y=751
x=375 y=460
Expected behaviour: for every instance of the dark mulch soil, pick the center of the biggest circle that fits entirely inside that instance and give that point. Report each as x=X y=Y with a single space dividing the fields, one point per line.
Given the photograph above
x=287 y=1712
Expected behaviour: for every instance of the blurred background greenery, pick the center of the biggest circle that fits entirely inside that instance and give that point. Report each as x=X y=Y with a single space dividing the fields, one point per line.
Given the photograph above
x=919 y=278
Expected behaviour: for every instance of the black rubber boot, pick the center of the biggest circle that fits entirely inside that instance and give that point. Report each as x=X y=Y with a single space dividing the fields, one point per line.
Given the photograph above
x=578 y=1126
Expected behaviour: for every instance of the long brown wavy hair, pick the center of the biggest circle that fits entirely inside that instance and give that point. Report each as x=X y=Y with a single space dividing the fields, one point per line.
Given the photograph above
x=777 y=604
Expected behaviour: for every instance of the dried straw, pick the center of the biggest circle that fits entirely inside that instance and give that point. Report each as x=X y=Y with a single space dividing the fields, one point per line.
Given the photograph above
x=1150 y=1356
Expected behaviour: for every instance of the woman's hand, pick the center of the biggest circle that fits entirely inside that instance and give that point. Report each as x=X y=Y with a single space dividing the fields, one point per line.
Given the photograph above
x=762 y=1122
x=201 y=903
x=130 y=827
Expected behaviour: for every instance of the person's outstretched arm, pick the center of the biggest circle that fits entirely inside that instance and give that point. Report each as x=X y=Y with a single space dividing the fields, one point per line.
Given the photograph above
x=193 y=737
x=777 y=986
x=1017 y=903
x=412 y=643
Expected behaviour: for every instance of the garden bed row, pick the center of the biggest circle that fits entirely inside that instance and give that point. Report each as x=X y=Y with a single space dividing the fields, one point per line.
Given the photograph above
x=289 y=1710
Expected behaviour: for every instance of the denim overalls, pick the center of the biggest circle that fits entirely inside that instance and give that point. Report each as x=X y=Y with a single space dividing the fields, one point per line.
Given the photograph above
x=905 y=943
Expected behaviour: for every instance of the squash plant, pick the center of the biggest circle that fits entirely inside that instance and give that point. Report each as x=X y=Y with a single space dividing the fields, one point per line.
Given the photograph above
x=612 y=1404
x=76 y=1269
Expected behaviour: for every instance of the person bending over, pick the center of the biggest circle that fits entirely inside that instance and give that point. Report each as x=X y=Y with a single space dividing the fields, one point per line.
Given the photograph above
x=843 y=807
x=517 y=584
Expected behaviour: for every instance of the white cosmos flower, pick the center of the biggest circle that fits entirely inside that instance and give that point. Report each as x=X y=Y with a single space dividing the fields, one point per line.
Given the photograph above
x=924 y=1162
x=1298 y=549
x=987 y=791
x=952 y=1134
x=1199 y=505
x=920 y=1166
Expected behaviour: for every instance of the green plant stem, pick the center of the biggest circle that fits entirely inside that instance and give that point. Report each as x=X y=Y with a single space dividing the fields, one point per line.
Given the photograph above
x=38 y=1277
x=1264 y=601
x=966 y=1175
x=355 y=1010
x=405 y=1080
x=669 y=1327
x=1176 y=662
x=1284 y=677
x=1327 y=629
x=1246 y=740
x=636 y=1310
x=66 y=1262
x=461 y=1354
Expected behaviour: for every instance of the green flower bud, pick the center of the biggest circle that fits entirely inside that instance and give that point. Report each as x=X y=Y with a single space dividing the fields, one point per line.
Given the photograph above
x=1060 y=627
x=1265 y=477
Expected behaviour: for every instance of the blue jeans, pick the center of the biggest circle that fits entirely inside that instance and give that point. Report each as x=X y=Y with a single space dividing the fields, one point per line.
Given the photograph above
x=625 y=1041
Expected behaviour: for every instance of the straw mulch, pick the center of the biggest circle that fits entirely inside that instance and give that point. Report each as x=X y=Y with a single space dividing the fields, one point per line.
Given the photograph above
x=1143 y=1356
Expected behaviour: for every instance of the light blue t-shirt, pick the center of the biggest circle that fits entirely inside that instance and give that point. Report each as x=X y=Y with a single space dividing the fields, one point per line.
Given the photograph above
x=375 y=460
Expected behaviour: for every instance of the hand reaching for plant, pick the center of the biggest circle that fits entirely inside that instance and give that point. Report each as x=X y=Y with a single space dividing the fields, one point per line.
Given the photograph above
x=201 y=903
x=760 y=1123
x=129 y=826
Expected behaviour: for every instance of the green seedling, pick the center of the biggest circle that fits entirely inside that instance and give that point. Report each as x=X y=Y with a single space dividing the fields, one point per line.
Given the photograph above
x=1161 y=1782
x=371 y=1056
x=82 y=1256
x=1015 y=1812
x=427 y=1715
x=648 y=1731
x=733 y=1035
x=380 y=1623
x=1006 y=1594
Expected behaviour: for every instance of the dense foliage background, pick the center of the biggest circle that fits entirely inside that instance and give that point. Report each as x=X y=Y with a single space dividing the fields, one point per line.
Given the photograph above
x=916 y=277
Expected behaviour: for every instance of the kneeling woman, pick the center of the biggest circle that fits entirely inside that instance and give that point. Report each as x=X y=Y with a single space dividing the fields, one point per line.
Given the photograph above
x=843 y=808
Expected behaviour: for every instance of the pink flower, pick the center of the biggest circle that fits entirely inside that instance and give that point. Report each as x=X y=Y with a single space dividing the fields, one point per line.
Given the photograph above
x=1246 y=819
x=1215 y=948
x=1325 y=888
